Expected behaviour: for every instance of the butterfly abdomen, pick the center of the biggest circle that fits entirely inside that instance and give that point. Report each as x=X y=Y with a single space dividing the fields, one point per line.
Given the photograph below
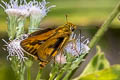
x=43 y=64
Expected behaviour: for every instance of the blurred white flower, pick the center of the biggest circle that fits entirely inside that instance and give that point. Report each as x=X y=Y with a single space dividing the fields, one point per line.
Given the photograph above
x=14 y=48
x=14 y=8
x=17 y=12
x=38 y=10
x=77 y=47
x=22 y=8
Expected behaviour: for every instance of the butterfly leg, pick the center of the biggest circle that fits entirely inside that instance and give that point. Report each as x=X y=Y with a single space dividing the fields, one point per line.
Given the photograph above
x=73 y=46
x=35 y=57
x=62 y=58
x=54 y=60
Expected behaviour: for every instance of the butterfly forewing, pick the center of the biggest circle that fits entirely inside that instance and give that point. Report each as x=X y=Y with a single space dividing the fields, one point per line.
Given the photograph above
x=33 y=42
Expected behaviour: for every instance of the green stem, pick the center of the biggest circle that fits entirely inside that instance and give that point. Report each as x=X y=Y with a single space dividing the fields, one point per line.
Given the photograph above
x=39 y=74
x=28 y=64
x=22 y=72
x=104 y=27
x=28 y=73
x=63 y=70
x=54 y=71
x=20 y=27
x=74 y=67
x=34 y=23
x=69 y=58
x=52 y=76
x=60 y=75
x=12 y=23
x=18 y=68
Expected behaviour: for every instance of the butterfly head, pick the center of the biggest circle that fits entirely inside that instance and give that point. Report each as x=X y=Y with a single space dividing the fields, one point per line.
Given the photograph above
x=71 y=26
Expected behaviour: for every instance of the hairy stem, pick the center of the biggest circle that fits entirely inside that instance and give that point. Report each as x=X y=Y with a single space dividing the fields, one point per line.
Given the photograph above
x=105 y=26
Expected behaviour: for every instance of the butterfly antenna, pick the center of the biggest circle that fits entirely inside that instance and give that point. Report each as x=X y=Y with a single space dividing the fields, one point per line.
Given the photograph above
x=80 y=39
x=66 y=18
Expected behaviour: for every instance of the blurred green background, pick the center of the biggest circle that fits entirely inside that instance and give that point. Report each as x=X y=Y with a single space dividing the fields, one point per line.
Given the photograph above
x=87 y=14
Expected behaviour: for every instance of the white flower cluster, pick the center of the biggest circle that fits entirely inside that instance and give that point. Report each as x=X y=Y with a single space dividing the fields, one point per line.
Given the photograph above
x=22 y=8
x=36 y=8
x=13 y=8
x=14 y=48
x=77 y=46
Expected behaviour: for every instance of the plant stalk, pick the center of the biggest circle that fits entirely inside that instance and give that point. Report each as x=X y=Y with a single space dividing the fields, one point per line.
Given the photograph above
x=39 y=74
x=28 y=73
x=105 y=26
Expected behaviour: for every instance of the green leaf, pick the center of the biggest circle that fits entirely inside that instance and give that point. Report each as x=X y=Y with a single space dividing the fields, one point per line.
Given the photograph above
x=98 y=62
x=111 y=73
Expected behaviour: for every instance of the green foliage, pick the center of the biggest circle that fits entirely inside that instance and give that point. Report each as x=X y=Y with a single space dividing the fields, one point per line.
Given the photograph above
x=99 y=69
x=18 y=68
x=6 y=73
x=98 y=62
x=111 y=73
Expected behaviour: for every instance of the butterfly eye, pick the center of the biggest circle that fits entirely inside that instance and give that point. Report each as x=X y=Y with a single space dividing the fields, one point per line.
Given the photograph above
x=72 y=28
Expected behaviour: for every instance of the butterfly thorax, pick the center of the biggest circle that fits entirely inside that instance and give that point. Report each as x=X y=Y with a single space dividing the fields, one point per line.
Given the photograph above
x=68 y=27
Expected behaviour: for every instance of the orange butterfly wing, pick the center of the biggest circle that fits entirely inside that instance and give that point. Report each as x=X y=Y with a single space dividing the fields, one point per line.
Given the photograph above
x=45 y=45
x=33 y=42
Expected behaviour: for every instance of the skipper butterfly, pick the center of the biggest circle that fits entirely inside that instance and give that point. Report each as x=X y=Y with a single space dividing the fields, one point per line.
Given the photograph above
x=44 y=45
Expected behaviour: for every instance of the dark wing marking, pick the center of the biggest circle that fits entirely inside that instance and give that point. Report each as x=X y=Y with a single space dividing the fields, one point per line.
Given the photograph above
x=30 y=47
x=33 y=42
x=56 y=45
x=50 y=48
x=40 y=32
